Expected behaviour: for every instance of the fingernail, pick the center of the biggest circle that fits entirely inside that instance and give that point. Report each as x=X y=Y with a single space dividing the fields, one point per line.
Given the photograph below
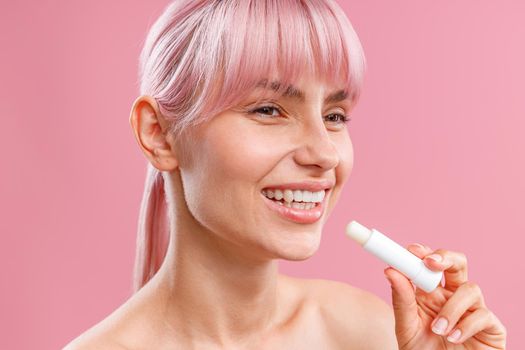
x=454 y=336
x=440 y=325
x=417 y=245
x=435 y=257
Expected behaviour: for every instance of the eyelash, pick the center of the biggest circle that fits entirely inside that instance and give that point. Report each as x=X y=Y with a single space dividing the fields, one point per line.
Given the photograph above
x=343 y=120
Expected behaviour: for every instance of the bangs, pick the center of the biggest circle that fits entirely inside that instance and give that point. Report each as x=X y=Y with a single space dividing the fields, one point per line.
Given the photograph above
x=202 y=58
x=284 y=39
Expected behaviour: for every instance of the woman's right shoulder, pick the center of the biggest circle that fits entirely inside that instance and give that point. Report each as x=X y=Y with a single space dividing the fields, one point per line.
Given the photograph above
x=111 y=332
x=90 y=341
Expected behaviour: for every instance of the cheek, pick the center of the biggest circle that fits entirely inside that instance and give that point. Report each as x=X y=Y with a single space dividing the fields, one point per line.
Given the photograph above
x=229 y=162
x=242 y=157
x=343 y=170
x=233 y=162
x=346 y=155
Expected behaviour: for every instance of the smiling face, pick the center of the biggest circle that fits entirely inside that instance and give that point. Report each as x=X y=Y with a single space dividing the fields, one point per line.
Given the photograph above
x=259 y=146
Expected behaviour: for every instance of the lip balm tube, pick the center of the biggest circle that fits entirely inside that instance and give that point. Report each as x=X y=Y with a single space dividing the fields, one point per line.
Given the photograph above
x=395 y=255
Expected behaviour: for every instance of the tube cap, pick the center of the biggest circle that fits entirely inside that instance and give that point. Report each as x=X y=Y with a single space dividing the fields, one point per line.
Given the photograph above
x=358 y=232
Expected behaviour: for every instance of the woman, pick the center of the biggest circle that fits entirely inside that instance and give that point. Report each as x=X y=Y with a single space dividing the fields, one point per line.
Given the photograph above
x=242 y=118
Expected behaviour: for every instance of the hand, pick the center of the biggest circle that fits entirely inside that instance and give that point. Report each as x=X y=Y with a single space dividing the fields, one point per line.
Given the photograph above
x=460 y=302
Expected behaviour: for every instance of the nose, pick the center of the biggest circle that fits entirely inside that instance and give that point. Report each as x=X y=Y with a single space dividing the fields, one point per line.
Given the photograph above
x=317 y=147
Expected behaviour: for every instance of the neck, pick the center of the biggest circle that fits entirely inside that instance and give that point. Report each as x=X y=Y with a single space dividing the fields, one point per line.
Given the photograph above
x=211 y=288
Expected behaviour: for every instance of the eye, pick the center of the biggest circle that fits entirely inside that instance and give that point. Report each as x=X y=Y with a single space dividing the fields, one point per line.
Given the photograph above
x=267 y=111
x=338 y=118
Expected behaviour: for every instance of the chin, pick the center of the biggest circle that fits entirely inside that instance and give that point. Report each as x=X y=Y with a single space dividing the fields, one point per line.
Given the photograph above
x=300 y=250
x=298 y=257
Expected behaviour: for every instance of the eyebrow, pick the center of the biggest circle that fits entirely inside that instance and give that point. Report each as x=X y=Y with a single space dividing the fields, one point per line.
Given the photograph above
x=295 y=93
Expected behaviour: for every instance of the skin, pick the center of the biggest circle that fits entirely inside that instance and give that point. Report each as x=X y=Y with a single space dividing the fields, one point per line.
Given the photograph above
x=219 y=286
x=459 y=301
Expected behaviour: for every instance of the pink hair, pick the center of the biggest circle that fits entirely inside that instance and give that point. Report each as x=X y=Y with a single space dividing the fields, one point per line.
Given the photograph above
x=202 y=57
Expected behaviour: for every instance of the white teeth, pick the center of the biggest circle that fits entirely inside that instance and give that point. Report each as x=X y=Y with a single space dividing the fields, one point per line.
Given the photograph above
x=297 y=205
x=288 y=196
x=307 y=196
x=295 y=195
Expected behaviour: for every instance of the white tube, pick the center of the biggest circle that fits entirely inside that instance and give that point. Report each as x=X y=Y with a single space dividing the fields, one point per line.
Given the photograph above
x=395 y=255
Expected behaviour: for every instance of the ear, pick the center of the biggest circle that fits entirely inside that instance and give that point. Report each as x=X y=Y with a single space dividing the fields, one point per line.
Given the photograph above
x=150 y=129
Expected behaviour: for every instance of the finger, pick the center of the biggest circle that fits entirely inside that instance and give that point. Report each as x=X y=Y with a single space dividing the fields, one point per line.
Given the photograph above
x=479 y=320
x=403 y=301
x=419 y=250
x=467 y=297
x=453 y=265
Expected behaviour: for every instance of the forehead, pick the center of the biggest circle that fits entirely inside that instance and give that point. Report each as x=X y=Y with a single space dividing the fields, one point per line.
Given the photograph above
x=294 y=92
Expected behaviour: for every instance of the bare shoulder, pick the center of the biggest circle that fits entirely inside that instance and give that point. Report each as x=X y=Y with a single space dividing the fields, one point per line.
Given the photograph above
x=101 y=336
x=111 y=332
x=88 y=341
x=356 y=318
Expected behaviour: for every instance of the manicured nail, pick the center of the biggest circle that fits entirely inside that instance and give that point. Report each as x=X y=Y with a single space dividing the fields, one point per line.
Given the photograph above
x=454 y=336
x=417 y=245
x=440 y=325
x=435 y=257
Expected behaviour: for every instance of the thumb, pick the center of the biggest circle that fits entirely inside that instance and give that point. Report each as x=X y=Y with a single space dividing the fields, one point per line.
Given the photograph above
x=403 y=303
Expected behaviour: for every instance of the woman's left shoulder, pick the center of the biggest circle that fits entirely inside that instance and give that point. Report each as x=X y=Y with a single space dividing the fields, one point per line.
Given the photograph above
x=356 y=317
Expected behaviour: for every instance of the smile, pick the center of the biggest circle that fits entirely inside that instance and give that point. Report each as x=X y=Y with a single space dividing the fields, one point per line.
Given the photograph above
x=299 y=206
x=298 y=199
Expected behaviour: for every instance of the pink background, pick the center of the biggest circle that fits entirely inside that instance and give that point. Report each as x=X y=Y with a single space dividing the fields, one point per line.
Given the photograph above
x=438 y=139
